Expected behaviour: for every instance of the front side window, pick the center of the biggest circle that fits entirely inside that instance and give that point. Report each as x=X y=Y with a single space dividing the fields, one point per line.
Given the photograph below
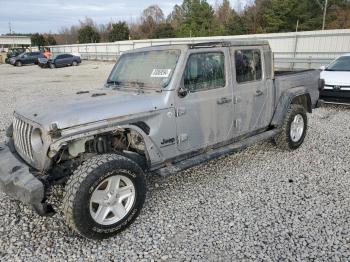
x=341 y=64
x=248 y=65
x=145 y=69
x=205 y=71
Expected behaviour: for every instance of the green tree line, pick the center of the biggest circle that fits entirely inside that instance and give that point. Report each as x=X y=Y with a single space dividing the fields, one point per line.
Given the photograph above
x=195 y=18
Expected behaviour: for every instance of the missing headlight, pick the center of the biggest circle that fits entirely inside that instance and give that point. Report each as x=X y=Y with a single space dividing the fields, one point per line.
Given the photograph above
x=37 y=140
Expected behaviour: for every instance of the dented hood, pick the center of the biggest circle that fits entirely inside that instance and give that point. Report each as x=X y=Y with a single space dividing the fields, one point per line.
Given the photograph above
x=90 y=107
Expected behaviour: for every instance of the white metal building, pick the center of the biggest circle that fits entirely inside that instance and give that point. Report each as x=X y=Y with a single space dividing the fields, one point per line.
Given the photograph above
x=297 y=49
x=7 y=41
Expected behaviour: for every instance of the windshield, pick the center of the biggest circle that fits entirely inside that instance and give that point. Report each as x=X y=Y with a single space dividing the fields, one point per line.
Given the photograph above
x=145 y=69
x=341 y=64
x=53 y=57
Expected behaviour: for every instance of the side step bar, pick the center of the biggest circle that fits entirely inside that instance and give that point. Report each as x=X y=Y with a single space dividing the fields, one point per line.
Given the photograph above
x=229 y=149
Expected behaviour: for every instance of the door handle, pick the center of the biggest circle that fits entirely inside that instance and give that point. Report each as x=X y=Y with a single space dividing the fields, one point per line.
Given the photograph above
x=224 y=100
x=259 y=93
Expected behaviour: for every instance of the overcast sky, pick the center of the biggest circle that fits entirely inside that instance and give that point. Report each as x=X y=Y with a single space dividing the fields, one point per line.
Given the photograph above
x=30 y=16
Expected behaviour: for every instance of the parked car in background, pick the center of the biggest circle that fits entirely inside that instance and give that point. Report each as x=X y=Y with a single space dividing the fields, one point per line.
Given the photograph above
x=26 y=58
x=13 y=52
x=59 y=60
x=337 y=81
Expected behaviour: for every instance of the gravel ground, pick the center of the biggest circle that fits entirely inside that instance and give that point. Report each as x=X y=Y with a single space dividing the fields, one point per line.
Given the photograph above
x=259 y=204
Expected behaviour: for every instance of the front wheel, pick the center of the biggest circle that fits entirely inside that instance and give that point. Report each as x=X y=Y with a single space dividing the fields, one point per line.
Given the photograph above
x=104 y=196
x=294 y=128
x=75 y=63
x=52 y=66
x=19 y=63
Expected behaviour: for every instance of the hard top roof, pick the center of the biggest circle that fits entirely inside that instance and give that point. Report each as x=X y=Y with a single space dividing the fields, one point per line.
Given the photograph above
x=207 y=44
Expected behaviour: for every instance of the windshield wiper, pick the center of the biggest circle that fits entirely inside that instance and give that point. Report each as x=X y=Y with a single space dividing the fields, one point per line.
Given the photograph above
x=136 y=83
x=115 y=84
x=128 y=84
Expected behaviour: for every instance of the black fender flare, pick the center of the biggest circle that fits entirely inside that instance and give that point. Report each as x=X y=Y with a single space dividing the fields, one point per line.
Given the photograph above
x=286 y=99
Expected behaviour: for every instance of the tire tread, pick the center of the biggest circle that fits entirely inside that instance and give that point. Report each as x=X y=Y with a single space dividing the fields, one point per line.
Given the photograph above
x=74 y=182
x=283 y=139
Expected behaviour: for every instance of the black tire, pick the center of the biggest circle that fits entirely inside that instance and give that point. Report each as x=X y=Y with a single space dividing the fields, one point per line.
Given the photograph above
x=283 y=139
x=75 y=63
x=85 y=180
x=52 y=66
x=19 y=63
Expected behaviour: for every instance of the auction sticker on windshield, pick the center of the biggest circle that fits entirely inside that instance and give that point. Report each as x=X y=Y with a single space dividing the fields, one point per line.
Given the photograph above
x=161 y=73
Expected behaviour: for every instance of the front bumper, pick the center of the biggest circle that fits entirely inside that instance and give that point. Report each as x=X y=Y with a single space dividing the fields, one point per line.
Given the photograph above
x=43 y=65
x=19 y=183
x=335 y=96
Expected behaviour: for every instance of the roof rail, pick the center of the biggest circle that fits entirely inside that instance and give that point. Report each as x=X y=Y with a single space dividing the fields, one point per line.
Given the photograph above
x=209 y=44
x=228 y=43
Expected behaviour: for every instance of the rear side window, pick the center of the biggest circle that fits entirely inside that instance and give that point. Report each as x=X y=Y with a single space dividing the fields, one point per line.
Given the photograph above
x=248 y=65
x=205 y=71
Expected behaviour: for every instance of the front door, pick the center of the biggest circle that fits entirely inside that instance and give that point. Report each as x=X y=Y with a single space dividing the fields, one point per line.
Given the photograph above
x=204 y=114
x=253 y=93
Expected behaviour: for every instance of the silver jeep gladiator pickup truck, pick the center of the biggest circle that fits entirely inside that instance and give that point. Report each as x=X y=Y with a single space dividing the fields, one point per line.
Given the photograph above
x=163 y=109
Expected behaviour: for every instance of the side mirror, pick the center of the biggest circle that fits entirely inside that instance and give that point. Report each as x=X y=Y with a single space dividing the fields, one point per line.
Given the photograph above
x=323 y=68
x=182 y=92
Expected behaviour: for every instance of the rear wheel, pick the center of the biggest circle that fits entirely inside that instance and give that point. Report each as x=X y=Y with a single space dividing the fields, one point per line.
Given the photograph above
x=294 y=128
x=19 y=63
x=104 y=196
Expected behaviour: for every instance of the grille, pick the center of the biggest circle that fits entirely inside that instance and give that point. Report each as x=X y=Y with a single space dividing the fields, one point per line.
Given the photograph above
x=22 y=133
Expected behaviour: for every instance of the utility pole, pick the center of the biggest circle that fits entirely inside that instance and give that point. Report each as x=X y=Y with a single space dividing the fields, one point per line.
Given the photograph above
x=297 y=27
x=10 y=28
x=324 y=14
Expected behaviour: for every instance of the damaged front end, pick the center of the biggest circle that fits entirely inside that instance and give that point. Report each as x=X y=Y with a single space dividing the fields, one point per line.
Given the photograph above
x=20 y=182
x=33 y=159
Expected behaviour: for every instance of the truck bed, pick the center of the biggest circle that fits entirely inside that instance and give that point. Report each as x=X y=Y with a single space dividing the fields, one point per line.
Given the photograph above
x=308 y=79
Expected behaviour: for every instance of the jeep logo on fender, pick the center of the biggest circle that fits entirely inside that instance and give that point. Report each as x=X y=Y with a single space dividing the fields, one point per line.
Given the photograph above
x=167 y=141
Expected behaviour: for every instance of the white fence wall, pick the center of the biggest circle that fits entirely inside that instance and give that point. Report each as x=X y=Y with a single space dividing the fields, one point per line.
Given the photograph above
x=292 y=50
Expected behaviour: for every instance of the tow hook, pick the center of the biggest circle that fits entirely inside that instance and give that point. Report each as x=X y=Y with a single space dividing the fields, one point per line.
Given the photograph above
x=44 y=209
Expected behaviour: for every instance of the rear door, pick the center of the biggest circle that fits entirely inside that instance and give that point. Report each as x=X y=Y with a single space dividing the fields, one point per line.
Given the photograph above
x=34 y=57
x=68 y=59
x=204 y=115
x=253 y=92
